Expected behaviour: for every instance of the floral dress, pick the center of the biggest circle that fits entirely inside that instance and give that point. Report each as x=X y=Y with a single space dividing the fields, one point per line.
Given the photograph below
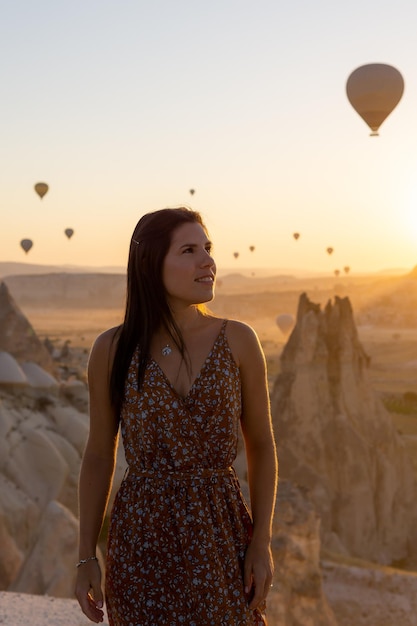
x=179 y=526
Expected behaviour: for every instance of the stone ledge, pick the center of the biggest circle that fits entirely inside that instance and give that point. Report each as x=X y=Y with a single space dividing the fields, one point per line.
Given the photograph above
x=20 y=609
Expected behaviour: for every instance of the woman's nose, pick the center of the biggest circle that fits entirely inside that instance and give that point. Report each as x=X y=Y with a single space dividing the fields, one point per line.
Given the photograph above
x=207 y=260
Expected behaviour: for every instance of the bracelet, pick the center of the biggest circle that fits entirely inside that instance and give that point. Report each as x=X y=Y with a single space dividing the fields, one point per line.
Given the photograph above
x=82 y=561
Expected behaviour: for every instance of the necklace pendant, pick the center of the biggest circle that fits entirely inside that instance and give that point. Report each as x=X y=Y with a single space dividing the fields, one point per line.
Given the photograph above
x=166 y=350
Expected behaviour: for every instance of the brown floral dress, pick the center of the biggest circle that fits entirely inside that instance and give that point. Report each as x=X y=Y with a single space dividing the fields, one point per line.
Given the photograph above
x=179 y=525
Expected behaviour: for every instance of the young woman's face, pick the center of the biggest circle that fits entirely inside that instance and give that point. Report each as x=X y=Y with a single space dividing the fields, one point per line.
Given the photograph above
x=189 y=270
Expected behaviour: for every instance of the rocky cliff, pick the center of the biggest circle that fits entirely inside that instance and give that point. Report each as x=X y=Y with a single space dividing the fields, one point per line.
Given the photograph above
x=17 y=335
x=336 y=438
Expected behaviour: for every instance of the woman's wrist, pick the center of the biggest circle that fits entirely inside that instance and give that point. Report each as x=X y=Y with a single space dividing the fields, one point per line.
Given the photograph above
x=261 y=535
x=86 y=560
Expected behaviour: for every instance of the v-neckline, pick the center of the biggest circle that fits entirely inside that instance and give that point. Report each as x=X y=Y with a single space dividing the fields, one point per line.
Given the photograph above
x=200 y=372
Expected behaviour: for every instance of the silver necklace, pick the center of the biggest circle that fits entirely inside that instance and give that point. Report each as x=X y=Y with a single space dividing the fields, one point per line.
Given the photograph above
x=166 y=350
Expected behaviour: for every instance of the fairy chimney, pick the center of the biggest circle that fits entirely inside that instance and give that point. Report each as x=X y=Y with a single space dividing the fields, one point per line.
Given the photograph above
x=17 y=335
x=336 y=438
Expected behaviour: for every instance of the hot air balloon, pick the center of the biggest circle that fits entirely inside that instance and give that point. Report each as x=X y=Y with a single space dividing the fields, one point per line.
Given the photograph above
x=235 y=254
x=329 y=250
x=285 y=322
x=41 y=189
x=192 y=191
x=346 y=269
x=296 y=236
x=26 y=244
x=251 y=248
x=336 y=272
x=69 y=232
x=374 y=91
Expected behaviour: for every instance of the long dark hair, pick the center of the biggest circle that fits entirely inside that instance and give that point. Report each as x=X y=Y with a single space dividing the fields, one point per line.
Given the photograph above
x=147 y=308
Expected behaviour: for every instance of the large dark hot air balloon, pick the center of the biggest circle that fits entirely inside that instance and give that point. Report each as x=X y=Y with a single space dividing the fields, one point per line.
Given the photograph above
x=192 y=192
x=251 y=248
x=69 y=232
x=236 y=254
x=374 y=90
x=41 y=189
x=296 y=236
x=329 y=250
x=26 y=244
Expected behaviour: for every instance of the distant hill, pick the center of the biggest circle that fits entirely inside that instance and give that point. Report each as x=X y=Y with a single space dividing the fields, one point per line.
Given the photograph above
x=60 y=289
x=24 y=269
x=10 y=268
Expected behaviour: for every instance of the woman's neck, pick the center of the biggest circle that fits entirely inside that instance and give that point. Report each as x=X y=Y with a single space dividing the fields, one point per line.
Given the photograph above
x=187 y=318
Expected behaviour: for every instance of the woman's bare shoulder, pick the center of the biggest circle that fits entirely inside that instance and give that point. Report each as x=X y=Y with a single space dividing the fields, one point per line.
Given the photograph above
x=238 y=330
x=105 y=344
x=243 y=340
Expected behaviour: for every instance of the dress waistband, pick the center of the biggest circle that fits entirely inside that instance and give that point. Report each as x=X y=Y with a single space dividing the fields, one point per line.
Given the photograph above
x=191 y=474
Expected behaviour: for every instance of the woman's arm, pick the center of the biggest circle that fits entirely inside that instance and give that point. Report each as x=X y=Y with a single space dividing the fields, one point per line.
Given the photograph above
x=261 y=457
x=96 y=474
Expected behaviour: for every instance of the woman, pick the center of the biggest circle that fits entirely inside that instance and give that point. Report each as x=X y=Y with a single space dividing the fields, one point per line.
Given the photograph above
x=182 y=548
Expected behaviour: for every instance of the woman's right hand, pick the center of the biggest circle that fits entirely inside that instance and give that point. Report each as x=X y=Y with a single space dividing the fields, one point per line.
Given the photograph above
x=88 y=591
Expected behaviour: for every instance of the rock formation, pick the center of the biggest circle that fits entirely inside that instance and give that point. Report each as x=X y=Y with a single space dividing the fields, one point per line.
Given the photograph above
x=42 y=438
x=370 y=596
x=17 y=335
x=336 y=438
x=10 y=371
x=43 y=432
x=41 y=441
x=49 y=565
x=297 y=597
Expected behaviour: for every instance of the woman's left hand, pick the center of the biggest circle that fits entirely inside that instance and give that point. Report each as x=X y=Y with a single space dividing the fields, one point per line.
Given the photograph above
x=258 y=572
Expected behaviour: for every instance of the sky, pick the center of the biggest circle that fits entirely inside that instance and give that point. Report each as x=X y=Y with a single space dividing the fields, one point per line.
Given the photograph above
x=124 y=106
